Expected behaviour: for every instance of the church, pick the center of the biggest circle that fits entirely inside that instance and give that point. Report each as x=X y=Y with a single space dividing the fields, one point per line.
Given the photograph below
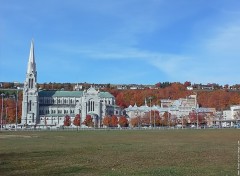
x=49 y=107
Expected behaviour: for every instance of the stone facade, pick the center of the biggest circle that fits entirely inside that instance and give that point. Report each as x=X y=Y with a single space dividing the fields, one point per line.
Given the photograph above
x=49 y=108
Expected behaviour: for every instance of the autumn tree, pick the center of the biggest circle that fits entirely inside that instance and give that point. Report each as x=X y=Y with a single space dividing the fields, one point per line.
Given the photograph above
x=187 y=83
x=110 y=121
x=123 y=122
x=88 y=121
x=166 y=119
x=114 y=121
x=77 y=120
x=156 y=120
x=107 y=121
x=145 y=120
x=135 y=122
x=202 y=118
x=67 y=120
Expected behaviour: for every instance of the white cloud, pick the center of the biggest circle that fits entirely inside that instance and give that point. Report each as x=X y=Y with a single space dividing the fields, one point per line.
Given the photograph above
x=226 y=40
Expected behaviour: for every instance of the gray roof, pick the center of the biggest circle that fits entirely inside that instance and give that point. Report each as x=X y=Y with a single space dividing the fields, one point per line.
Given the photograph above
x=105 y=95
x=57 y=93
x=54 y=93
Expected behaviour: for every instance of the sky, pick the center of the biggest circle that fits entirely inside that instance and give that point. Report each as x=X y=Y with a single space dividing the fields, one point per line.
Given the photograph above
x=122 y=42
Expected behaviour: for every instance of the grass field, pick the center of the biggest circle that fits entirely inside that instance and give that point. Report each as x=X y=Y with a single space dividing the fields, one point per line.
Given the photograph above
x=147 y=152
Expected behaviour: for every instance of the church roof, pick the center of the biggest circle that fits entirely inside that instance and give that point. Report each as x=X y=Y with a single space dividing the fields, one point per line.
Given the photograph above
x=105 y=95
x=58 y=93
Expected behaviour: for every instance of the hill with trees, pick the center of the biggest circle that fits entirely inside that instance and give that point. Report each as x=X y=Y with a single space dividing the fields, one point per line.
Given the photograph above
x=219 y=97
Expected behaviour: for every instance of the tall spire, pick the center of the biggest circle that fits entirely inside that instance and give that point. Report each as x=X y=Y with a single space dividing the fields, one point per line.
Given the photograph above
x=31 y=61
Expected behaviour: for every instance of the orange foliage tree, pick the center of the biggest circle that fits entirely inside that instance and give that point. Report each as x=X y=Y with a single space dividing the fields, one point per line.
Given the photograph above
x=9 y=110
x=135 y=122
x=114 y=121
x=123 y=122
x=107 y=121
x=110 y=121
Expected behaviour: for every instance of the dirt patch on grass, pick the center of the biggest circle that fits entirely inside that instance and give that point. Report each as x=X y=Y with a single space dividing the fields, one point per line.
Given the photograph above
x=14 y=136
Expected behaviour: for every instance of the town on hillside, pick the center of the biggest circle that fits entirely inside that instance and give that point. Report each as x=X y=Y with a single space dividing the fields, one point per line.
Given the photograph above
x=135 y=106
x=83 y=105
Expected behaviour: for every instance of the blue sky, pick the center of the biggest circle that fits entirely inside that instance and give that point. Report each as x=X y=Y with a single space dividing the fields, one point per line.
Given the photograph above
x=127 y=41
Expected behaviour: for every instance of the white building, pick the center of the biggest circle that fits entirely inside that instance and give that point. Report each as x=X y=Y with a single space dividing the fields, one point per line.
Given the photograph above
x=231 y=117
x=41 y=107
x=177 y=108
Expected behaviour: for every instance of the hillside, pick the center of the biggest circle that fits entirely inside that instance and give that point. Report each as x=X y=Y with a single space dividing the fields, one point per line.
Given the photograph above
x=220 y=99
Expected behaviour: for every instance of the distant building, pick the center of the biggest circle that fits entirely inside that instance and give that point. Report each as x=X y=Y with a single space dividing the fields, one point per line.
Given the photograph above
x=78 y=87
x=231 y=116
x=178 y=108
x=41 y=107
x=189 y=88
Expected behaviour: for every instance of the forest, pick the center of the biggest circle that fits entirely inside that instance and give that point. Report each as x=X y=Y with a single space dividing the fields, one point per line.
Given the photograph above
x=220 y=99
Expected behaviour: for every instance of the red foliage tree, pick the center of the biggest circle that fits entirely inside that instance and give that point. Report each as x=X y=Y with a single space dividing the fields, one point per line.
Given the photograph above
x=88 y=121
x=67 y=120
x=166 y=119
x=77 y=120
x=197 y=117
x=193 y=117
x=145 y=120
x=187 y=83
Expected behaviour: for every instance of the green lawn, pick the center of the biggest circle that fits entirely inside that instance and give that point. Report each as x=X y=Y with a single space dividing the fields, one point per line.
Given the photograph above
x=147 y=152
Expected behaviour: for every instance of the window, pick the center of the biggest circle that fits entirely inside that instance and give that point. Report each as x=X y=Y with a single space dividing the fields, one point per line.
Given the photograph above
x=30 y=105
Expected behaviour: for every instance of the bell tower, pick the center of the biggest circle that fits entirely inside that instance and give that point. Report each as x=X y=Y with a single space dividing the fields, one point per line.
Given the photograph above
x=30 y=104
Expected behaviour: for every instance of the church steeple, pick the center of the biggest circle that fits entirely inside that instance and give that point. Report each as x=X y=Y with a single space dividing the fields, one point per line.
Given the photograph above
x=31 y=77
x=31 y=61
x=30 y=104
